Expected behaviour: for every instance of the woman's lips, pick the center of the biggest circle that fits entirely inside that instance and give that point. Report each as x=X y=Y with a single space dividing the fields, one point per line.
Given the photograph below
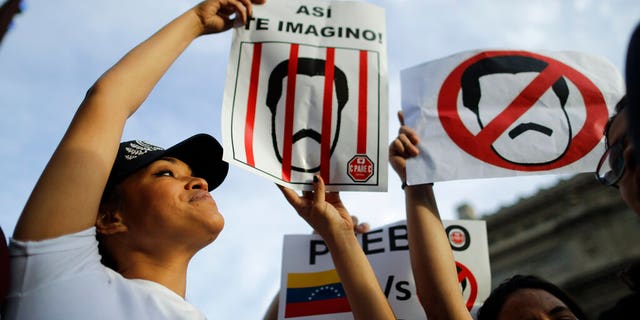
x=201 y=195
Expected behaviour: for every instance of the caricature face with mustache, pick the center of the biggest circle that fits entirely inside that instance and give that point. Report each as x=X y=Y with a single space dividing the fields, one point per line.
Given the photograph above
x=308 y=100
x=542 y=134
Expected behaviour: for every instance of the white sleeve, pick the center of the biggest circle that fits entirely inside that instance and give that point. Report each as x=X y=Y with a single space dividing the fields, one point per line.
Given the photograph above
x=41 y=263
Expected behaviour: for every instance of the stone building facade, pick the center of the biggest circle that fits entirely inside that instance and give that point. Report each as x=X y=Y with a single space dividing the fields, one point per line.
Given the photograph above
x=576 y=234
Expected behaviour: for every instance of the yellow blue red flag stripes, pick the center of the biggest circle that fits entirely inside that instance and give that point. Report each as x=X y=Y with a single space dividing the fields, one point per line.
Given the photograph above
x=315 y=293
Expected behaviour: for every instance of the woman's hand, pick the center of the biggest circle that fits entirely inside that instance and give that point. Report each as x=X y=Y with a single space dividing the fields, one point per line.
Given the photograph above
x=323 y=211
x=402 y=148
x=220 y=15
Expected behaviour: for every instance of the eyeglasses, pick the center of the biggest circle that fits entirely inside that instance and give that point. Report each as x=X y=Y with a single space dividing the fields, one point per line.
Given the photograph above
x=611 y=166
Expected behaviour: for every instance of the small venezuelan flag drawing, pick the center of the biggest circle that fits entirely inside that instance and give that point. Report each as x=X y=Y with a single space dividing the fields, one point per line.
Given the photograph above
x=315 y=293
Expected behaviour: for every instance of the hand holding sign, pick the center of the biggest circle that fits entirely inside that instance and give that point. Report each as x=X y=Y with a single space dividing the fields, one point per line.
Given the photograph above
x=431 y=245
x=217 y=16
x=324 y=291
x=402 y=148
x=323 y=211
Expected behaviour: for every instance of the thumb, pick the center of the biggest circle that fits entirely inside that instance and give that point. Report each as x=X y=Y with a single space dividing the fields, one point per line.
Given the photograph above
x=401 y=118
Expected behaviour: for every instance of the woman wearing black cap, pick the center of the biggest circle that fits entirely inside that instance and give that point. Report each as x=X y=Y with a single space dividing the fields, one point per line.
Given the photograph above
x=156 y=211
x=149 y=208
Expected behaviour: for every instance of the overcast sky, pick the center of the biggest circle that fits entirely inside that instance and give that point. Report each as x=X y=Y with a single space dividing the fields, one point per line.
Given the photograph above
x=56 y=49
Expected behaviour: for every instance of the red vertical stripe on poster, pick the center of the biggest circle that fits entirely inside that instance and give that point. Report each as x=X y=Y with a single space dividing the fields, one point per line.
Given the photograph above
x=289 y=109
x=327 y=106
x=251 y=103
x=361 y=147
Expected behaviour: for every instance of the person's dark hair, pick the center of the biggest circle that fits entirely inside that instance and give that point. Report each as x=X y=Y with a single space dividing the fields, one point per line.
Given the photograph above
x=632 y=77
x=620 y=106
x=494 y=303
x=309 y=67
x=470 y=80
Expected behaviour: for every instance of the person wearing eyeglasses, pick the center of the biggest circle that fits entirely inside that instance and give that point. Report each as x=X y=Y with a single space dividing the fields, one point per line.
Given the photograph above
x=617 y=167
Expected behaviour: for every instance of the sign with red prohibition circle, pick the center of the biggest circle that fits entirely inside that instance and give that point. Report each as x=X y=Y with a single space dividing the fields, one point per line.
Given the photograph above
x=479 y=145
x=465 y=274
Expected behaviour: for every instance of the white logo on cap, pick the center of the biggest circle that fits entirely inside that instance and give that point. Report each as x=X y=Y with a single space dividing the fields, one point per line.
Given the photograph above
x=138 y=148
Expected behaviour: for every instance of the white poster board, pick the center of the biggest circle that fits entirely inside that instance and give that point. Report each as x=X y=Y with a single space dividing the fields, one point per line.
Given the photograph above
x=310 y=288
x=306 y=94
x=497 y=113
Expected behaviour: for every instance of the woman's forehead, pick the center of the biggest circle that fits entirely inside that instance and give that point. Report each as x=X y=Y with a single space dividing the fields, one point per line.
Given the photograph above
x=526 y=302
x=170 y=160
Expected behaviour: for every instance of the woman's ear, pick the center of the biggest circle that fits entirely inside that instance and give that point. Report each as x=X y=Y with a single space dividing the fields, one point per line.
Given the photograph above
x=109 y=220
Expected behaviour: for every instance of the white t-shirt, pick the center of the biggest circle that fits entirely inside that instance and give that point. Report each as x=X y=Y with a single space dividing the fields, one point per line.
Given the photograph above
x=63 y=278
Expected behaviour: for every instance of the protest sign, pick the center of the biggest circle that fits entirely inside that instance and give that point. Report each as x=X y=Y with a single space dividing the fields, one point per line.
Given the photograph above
x=482 y=114
x=311 y=289
x=306 y=94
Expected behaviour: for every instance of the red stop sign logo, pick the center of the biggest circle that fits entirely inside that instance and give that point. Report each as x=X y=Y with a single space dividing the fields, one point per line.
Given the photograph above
x=458 y=238
x=360 y=168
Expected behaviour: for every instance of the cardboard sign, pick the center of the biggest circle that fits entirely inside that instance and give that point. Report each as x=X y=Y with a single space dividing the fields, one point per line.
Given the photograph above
x=484 y=114
x=311 y=288
x=306 y=94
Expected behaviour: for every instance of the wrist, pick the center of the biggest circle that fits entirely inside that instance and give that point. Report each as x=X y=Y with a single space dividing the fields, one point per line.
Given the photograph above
x=338 y=239
x=405 y=185
x=197 y=23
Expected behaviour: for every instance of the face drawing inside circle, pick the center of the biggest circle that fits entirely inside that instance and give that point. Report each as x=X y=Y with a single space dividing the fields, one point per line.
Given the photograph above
x=309 y=95
x=539 y=136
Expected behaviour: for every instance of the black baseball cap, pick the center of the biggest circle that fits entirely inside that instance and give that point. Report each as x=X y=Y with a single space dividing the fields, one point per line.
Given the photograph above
x=202 y=152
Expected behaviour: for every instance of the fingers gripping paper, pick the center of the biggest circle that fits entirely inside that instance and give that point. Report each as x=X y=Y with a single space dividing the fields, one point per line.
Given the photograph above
x=306 y=94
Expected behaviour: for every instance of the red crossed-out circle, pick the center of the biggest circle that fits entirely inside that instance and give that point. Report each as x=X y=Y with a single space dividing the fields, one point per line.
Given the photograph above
x=463 y=274
x=479 y=145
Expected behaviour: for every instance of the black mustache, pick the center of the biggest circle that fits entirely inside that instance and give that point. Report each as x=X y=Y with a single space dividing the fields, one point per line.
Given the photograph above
x=523 y=127
x=306 y=133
